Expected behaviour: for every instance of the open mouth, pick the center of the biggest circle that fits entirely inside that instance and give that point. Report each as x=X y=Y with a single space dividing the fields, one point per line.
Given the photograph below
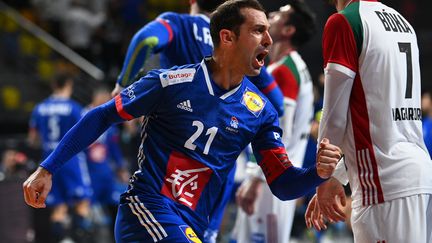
x=260 y=57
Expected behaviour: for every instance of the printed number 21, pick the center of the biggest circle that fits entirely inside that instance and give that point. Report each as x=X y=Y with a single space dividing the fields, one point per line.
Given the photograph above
x=200 y=127
x=405 y=47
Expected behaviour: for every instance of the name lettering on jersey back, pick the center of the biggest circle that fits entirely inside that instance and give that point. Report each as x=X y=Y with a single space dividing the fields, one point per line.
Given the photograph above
x=407 y=114
x=55 y=109
x=185 y=179
x=393 y=22
x=202 y=35
x=177 y=76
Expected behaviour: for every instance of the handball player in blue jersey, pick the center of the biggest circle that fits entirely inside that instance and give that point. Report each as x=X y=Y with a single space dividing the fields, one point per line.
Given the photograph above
x=49 y=122
x=198 y=118
x=183 y=39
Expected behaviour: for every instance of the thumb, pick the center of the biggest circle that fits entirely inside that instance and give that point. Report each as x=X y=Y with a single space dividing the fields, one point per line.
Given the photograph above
x=342 y=198
x=324 y=141
x=42 y=196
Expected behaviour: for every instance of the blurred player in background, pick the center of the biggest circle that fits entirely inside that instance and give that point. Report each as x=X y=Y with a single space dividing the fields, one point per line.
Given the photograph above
x=50 y=120
x=264 y=217
x=105 y=162
x=186 y=151
x=372 y=110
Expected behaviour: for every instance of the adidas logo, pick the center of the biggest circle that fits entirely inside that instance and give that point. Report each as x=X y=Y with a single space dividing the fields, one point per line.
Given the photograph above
x=185 y=105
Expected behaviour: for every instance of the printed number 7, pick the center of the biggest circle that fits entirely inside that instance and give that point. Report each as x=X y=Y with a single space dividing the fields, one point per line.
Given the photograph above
x=200 y=127
x=405 y=47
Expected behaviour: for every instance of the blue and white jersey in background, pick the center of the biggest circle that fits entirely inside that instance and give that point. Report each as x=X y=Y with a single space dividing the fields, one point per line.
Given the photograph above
x=192 y=135
x=52 y=118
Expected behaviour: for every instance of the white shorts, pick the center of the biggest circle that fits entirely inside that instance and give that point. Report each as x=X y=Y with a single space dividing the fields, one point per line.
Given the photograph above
x=402 y=220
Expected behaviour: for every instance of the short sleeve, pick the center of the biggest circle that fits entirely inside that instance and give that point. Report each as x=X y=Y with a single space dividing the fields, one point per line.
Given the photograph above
x=339 y=45
x=286 y=81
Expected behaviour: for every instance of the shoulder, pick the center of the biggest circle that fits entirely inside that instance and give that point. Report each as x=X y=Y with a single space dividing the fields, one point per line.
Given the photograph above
x=170 y=16
x=335 y=20
x=174 y=75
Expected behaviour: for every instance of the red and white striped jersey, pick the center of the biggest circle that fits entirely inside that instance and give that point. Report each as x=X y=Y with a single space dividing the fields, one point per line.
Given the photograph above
x=372 y=109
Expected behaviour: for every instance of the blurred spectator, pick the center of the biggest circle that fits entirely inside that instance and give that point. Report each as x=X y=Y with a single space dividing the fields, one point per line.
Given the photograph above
x=78 y=26
x=14 y=164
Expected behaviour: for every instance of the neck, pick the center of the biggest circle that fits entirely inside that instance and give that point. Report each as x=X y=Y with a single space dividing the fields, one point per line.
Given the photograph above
x=194 y=10
x=341 y=4
x=63 y=93
x=224 y=75
x=280 y=49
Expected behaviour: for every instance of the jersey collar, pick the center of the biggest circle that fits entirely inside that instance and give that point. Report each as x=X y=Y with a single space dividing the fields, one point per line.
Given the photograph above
x=210 y=83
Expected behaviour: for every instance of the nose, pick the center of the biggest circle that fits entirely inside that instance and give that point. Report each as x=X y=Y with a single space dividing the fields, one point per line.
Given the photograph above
x=267 y=40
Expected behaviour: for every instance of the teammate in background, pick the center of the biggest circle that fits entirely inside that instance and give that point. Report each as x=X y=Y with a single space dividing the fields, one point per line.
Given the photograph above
x=264 y=217
x=101 y=155
x=187 y=151
x=49 y=122
x=372 y=111
x=182 y=39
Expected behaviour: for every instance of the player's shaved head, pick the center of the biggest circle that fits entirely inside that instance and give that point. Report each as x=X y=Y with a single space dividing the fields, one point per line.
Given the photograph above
x=229 y=16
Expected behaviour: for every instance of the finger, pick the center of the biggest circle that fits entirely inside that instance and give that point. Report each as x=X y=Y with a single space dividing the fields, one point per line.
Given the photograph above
x=308 y=213
x=342 y=198
x=333 y=213
x=324 y=141
x=42 y=197
x=26 y=193
x=326 y=153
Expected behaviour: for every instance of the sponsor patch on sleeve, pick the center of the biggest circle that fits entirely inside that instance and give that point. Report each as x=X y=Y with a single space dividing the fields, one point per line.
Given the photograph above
x=177 y=76
x=253 y=102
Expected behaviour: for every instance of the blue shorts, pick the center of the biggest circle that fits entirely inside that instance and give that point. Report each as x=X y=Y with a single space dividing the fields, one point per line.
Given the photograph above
x=70 y=184
x=149 y=220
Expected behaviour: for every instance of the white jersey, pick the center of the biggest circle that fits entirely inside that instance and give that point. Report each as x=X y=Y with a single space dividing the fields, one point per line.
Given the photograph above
x=293 y=78
x=375 y=114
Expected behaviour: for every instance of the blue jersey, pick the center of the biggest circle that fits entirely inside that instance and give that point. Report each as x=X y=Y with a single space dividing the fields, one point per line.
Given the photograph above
x=182 y=39
x=193 y=133
x=52 y=118
x=100 y=154
x=427 y=132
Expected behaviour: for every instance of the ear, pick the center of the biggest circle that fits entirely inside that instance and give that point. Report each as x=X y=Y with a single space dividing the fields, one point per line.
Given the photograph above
x=226 y=37
x=288 y=31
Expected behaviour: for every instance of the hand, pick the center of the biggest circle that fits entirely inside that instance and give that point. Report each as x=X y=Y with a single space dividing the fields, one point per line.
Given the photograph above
x=117 y=89
x=313 y=215
x=327 y=157
x=248 y=193
x=37 y=187
x=328 y=196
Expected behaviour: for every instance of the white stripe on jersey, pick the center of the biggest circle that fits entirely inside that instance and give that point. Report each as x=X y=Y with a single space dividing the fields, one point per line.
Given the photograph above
x=147 y=219
x=207 y=78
